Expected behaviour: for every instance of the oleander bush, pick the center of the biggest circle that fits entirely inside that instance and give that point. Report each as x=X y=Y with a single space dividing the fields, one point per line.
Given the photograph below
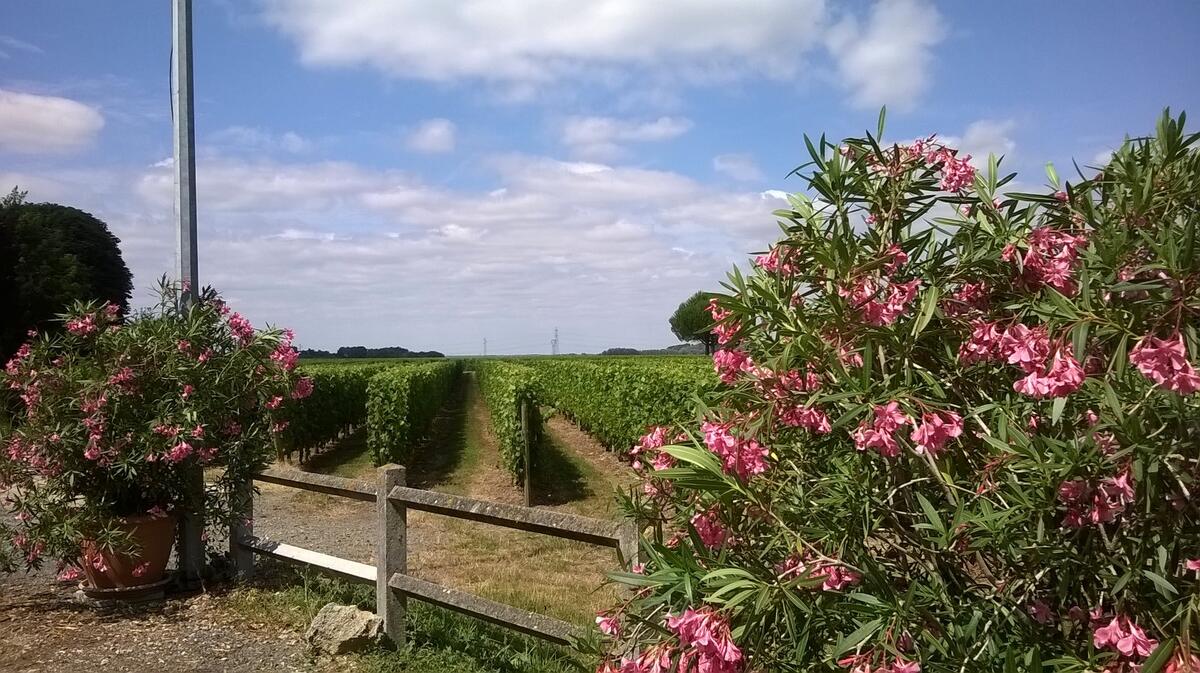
x=616 y=399
x=958 y=430
x=504 y=386
x=401 y=405
x=120 y=414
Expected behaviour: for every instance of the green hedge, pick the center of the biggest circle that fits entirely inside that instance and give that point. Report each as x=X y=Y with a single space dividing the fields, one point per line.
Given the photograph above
x=505 y=385
x=615 y=399
x=401 y=405
x=338 y=403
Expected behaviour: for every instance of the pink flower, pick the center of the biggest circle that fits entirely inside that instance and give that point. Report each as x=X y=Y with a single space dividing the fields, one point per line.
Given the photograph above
x=275 y=402
x=82 y=326
x=69 y=574
x=967 y=298
x=730 y=363
x=608 y=624
x=1026 y=348
x=303 y=388
x=1040 y=612
x=1090 y=418
x=880 y=302
x=198 y=432
x=188 y=389
x=1165 y=362
x=935 y=430
x=179 y=452
x=241 y=328
x=276 y=427
x=879 y=434
x=743 y=457
x=812 y=419
x=896 y=257
x=204 y=355
x=1051 y=259
x=286 y=356
x=983 y=345
x=710 y=645
x=957 y=173
x=141 y=569
x=1192 y=564
x=1064 y=377
x=709 y=528
x=183 y=345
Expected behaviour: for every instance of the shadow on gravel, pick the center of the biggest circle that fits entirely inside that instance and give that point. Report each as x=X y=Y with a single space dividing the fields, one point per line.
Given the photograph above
x=556 y=479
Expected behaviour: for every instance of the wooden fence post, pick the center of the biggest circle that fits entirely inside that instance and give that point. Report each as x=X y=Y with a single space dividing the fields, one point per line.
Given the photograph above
x=242 y=558
x=392 y=552
x=526 y=442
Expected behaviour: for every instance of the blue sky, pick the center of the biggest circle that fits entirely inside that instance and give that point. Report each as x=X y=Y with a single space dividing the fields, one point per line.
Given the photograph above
x=432 y=174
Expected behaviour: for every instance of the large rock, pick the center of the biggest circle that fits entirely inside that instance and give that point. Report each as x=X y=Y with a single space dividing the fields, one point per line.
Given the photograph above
x=338 y=629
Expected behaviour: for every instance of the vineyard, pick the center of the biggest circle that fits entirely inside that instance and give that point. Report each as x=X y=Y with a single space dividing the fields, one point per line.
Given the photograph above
x=614 y=399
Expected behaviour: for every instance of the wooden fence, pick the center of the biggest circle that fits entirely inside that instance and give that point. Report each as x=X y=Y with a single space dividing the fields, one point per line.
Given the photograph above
x=393 y=584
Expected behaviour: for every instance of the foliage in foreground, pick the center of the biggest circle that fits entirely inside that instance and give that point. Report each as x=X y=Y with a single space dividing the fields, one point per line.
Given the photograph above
x=959 y=433
x=505 y=386
x=401 y=405
x=120 y=416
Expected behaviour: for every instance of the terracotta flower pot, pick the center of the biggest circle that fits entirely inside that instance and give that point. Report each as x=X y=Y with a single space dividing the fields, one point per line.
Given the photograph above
x=153 y=535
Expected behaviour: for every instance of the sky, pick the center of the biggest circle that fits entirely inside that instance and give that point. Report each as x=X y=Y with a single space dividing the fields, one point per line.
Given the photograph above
x=433 y=174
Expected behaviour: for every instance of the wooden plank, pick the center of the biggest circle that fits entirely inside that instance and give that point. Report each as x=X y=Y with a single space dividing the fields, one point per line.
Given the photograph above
x=321 y=483
x=555 y=524
x=531 y=623
x=344 y=568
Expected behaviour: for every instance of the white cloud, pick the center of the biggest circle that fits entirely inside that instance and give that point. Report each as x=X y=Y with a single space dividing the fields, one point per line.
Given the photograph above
x=245 y=138
x=523 y=41
x=348 y=254
x=738 y=166
x=433 y=136
x=34 y=124
x=887 y=59
x=603 y=137
x=984 y=137
x=14 y=44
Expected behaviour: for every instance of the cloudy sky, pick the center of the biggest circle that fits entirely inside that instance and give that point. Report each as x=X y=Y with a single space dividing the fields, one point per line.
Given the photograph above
x=431 y=174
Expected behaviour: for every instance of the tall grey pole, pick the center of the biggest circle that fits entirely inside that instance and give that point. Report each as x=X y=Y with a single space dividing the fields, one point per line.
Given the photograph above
x=191 y=541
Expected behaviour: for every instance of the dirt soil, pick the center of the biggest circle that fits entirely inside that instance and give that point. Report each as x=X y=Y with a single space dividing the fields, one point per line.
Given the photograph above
x=44 y=628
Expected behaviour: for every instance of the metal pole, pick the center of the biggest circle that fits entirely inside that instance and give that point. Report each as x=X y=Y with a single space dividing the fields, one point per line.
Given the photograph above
x=185 y=146
x=191 y=544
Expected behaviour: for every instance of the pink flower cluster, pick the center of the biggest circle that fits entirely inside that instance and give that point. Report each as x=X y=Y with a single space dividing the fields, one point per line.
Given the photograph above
x=303 y=388
x=880 y=433
x=82 y=326
x=1027 y=348
x=708 y=526
x=935 y=430
x=729 y=364
x=1125 y=637
x=1165 y=362
x=743 y=457
x=1051 y=259
x=836 y=576
x=708 y=645
x=775 y=261
x=1096 y=505
x=811 y=418
x=650 y=443
x=285 y=355
x=879 y=301
x=241 y=328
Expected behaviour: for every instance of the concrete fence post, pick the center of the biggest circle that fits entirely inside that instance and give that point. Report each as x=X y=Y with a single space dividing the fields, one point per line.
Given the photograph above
x=391 y=555
x=242 y=558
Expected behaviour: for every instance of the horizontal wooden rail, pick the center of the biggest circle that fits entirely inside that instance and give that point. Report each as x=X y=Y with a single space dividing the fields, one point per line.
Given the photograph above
x=556 y=524
x=321 y=483
x=350 y=570
x=531 y=623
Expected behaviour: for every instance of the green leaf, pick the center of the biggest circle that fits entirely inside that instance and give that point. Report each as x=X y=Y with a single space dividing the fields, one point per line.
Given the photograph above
x=1164 y=586
x=853 y=640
